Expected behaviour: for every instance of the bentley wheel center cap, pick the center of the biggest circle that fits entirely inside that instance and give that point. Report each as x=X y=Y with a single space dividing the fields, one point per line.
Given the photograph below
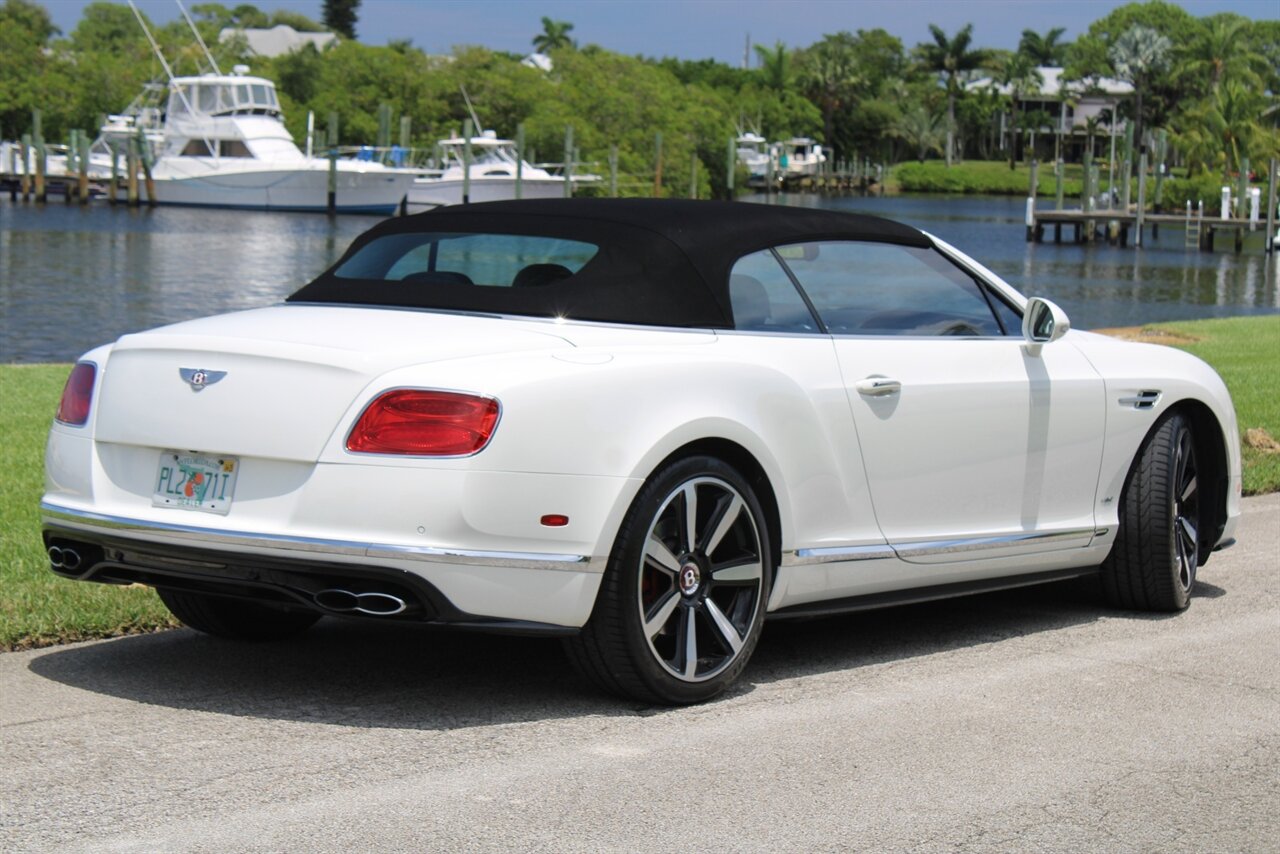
x=690 y=578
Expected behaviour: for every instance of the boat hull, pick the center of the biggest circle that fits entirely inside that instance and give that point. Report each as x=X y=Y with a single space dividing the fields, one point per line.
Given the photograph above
x=373 y=192
x=433 y=193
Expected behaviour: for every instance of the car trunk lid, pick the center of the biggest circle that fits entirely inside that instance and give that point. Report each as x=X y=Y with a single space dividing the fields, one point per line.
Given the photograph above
x=275 y=382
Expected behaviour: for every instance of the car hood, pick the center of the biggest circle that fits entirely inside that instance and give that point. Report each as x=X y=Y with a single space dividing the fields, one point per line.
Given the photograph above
x=282 y=377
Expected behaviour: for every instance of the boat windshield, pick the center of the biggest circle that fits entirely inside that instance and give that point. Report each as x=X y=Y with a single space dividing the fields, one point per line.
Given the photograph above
x=218 y=98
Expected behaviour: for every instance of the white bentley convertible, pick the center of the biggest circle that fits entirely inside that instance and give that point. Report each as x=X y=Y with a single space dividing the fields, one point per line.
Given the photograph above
x=647 y=426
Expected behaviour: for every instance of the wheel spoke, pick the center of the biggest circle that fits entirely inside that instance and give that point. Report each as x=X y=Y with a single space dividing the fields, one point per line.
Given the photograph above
x=659 y=616
x=690 y=517
x=1188 y=530
x=690 y=643
x=721 y=525
x=744 y=571
x=659 y=555
x=724 y=628
x=1188 y=490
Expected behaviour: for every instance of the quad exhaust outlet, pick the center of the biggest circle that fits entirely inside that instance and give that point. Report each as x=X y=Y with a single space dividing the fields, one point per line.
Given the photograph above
x=64 y=558
x=374 y=604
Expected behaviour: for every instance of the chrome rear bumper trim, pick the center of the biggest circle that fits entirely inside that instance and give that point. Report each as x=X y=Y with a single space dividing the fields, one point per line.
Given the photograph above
x=67 y=518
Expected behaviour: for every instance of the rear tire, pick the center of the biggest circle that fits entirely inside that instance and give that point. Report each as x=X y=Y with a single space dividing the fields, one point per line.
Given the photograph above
x=682 y=601
x=1152 y=566
x=235 y=619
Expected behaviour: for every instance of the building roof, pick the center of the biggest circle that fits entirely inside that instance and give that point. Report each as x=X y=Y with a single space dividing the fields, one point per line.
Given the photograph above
x=1054 y=84
x=278 y=40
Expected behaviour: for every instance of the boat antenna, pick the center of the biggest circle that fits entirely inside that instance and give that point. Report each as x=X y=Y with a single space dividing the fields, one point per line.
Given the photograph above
x=199 y=40
x=168 y=72
x=155 y=47
x=474 y=118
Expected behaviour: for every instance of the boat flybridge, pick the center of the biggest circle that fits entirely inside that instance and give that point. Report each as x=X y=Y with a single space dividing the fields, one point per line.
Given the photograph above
x=219 y=140
x=800 y=155
x=494 y=167
x=753 y=153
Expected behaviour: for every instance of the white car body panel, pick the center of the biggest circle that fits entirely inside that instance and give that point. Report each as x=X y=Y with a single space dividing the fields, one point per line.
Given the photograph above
x=999 y=458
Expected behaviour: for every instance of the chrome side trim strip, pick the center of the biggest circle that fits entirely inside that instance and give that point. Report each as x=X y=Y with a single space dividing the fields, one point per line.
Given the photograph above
x=969 y=544
x=831 y=554
x=917 y=548
x=83 y=519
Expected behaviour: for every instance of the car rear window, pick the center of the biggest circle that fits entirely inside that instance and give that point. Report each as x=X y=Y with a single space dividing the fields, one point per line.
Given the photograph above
x=435 y=259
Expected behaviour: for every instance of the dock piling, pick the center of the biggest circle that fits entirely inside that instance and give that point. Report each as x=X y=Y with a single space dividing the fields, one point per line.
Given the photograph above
x=520 y=160
x=1142 y=194
x=26 y=166
x=332 y=204
x=131 y=172
x=84 y=169
x=1270 y=242
x=568 y=161
x=115 y=173
x=144 y=157
x=731 y=165
x=613 y=171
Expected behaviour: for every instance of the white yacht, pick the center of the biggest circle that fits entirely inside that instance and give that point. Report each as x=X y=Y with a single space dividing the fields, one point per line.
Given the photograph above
x=494 y=164
x=800 y=155
x=220 y=141
x=753 y=152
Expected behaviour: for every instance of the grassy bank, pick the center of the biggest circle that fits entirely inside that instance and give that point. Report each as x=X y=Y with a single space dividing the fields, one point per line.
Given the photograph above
x=991 y=177
x=38 y=608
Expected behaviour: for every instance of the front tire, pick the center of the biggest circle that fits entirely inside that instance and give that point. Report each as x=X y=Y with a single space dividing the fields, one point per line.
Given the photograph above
x=681 y=604
x=1152 y=566
x=235 y=619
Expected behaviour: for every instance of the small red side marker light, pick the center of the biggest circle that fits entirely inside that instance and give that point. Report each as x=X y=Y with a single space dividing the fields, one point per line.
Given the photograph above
x=555 y=520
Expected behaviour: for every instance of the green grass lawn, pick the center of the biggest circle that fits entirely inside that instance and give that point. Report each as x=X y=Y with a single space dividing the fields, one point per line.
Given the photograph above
x=38 y=608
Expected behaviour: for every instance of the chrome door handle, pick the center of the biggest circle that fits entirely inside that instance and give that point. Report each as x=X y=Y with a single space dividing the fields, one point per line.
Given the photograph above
x=877 y=386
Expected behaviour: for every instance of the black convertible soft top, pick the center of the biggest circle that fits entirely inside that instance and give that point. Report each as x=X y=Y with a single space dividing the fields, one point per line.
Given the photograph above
x=662 y=262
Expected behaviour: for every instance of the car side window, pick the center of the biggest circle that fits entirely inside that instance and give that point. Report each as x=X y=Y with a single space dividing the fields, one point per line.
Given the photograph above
x=868 y=288
x=764 y=298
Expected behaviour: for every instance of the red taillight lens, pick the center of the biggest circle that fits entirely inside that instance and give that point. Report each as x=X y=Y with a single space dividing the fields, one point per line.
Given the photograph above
x=77 y=395
x=425 y=423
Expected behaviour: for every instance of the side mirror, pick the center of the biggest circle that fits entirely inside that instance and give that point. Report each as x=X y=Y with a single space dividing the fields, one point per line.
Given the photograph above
x=1043 y=322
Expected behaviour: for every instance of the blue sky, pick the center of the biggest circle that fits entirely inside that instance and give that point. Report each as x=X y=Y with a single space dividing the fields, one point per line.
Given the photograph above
x=694 y=29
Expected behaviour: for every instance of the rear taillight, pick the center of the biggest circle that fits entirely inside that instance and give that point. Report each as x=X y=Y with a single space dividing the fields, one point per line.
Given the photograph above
x=77 y=395
x=425 y=423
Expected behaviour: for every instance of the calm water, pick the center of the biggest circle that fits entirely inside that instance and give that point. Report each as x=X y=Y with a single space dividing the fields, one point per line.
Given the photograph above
x=73 y=278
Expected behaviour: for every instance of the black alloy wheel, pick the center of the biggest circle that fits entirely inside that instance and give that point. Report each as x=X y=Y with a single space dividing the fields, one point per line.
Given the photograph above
x=682 y=602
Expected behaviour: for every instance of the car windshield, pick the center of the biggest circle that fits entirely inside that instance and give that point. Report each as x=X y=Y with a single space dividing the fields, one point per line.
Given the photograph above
x=437 y=259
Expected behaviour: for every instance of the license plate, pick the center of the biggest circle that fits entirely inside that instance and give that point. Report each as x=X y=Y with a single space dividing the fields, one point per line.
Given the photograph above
x=195 y=481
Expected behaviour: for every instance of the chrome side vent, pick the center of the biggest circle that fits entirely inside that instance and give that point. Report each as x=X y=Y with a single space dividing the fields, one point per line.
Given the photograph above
x=1146 y=399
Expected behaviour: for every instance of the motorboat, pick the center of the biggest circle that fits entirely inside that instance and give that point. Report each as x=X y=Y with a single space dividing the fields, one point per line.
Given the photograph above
x=753 y=153
x=494 y=168
x=219 y=140
x=800 y=155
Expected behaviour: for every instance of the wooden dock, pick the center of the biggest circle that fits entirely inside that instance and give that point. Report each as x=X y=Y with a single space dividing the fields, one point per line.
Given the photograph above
x=1117 y=227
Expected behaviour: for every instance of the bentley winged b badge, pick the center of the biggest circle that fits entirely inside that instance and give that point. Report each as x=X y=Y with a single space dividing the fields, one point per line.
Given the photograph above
x=198 y=378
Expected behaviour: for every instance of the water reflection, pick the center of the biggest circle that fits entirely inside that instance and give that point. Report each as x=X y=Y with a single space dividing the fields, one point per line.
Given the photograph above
x=72 y=278
x=1098 y=285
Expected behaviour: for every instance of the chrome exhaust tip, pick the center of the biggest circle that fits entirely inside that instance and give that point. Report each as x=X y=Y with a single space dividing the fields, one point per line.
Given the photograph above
x=375 y=604
x=67 y=558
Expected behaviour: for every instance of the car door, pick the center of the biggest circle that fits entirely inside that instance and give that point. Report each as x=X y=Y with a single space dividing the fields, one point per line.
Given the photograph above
x=975 y=444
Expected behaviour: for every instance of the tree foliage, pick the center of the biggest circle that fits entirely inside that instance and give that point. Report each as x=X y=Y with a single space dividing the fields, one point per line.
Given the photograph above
x=861 y=93
x=341 y=16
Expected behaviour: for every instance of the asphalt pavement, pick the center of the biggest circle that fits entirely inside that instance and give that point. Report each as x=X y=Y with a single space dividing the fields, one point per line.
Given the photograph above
x=1030 y=720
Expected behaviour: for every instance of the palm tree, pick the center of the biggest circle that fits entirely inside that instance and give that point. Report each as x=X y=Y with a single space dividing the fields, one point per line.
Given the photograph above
x=920 y=128
x=1226 y=127
x=775 y=66
x=829 y=75
x=554 y=36
x=1138 y=56
x=951 y=58
x=1221 y=50
x=1044 y=49
x=1020 y=74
